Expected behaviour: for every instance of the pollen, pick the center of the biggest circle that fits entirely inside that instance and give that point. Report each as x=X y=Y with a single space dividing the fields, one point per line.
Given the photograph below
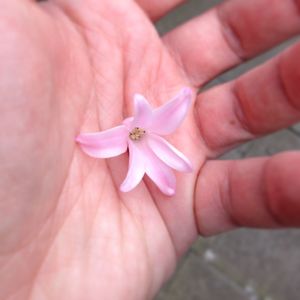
x=137 y=133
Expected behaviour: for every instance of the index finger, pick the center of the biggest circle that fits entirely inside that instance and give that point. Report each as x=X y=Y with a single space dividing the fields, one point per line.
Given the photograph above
x=230 y=33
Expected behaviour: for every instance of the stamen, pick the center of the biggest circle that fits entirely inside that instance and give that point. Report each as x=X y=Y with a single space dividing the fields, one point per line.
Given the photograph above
x=137 y=133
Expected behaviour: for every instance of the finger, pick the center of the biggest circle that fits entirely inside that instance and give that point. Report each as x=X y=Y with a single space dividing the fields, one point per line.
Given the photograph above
x=263 y=100
x=230 y=33
x=262 y=192
x=157 y=8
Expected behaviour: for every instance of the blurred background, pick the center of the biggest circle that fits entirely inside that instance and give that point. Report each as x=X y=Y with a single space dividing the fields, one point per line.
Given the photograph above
x=245 y=264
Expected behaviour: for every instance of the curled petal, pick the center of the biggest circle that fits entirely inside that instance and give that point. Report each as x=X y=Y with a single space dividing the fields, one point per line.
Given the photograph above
x=160 y=174
x=168 y=117
x=104 y=144
x=136 y=169
x=169 y=154
x=142 y=111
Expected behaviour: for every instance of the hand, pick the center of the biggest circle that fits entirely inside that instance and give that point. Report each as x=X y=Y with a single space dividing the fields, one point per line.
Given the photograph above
x=68 y=66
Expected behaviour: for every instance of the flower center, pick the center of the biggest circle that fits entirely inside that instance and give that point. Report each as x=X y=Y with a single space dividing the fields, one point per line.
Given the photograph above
x=137 y=133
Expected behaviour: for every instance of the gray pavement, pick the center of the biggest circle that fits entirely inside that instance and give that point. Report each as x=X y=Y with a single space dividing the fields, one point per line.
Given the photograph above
x=245 y=264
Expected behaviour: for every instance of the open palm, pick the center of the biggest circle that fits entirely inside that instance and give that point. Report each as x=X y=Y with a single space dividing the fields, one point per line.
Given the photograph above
x=66 y=230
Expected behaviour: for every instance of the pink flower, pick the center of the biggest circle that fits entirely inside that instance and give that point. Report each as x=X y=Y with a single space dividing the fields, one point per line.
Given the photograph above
x=149 y=153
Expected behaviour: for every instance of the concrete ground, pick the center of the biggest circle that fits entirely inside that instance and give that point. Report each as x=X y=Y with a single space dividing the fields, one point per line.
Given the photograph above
x=245 y=264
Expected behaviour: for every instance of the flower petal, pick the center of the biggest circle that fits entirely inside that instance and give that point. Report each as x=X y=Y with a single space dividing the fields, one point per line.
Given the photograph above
x=168 y=117
x=136 y=169
x=160 y=174
x=128 y=123
x=142 y=112
x=104 y=144
x=169 y=154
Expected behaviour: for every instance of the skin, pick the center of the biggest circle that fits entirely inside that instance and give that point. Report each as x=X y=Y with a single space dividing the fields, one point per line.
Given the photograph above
x=66 y=232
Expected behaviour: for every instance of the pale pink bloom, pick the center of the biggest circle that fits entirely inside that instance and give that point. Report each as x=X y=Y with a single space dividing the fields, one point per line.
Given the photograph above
x=149 y=153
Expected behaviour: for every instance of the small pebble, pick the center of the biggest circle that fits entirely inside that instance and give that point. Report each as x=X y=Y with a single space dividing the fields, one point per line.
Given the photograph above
x=209 y=255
